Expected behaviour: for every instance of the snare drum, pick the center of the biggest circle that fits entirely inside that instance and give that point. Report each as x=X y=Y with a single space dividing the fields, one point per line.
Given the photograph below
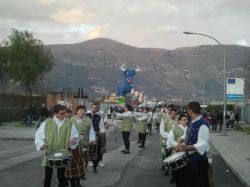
x=57 y=159
x=176 y=161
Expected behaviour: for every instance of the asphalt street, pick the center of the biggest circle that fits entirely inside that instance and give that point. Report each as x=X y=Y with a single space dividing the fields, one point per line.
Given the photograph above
x=140 y=168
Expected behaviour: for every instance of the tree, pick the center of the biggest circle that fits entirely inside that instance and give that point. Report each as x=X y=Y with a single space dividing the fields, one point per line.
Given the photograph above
x=28 y=60
x=3 y=64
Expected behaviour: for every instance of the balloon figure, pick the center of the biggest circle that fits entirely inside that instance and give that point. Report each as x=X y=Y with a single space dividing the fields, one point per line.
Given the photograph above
x=129 y=75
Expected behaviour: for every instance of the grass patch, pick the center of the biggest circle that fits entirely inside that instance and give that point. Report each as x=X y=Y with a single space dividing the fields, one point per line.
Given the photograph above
x=243 y=129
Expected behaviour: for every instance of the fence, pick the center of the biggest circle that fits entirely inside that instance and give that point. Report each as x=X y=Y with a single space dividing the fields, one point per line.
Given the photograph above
x=14 y=107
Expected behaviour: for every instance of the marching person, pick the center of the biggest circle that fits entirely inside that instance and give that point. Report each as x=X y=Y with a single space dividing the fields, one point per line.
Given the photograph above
x=176 y=135
x=127 y=124
x=55 y=134
x=167 y=122
x=142 y=126
x=98 y=125
x=138 y=115
x=197 y=145
x=77 y=168
x=157 y=118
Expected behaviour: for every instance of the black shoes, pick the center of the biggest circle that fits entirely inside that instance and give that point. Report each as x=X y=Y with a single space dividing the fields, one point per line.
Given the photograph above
x=141 y=146
x=125 y=151
x=166 y=173
x=83 y=177
x=162 y=167
x=172 y=181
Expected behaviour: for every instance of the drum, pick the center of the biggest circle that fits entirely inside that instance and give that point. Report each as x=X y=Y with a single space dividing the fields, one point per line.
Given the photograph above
x=92 y=152
x=176 y=161
x=56 y=159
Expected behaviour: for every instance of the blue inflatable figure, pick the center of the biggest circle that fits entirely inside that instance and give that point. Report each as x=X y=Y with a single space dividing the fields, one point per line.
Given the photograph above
x=129 y=74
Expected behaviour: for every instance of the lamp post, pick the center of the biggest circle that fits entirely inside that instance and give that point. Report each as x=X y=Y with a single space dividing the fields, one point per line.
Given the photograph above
x=224 y=66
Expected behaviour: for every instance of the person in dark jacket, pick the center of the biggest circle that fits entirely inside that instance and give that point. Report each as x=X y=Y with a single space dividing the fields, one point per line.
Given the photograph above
x=30 y=115
x=43 y=114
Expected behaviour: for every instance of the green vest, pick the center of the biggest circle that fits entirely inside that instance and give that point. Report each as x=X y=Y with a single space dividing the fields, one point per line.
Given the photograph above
x=83 y=128
x=54 y=140
x=142 y=126
x=168 y=124
x=178 y=132
x=127 y=124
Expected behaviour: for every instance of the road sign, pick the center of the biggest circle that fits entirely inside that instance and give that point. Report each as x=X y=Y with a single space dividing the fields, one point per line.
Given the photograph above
x=235 y=89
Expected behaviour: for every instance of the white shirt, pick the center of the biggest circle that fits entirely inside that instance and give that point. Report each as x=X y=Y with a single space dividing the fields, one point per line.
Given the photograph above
x=40 y=135
x=125 y=114
x=170 y=141
x=163 y=133
x=150 y=117
x=202 y=144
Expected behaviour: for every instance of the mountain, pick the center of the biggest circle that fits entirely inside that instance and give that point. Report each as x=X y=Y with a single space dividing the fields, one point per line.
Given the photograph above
x=94 y=65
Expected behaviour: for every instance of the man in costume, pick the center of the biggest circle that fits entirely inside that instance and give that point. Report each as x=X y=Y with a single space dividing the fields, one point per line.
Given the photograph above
x=78 y=165
x=197 y=145
x=127 y=124
x=98 y=125
x=141 y=125
x=55 y=134
x=167 y=122
x=175 y=136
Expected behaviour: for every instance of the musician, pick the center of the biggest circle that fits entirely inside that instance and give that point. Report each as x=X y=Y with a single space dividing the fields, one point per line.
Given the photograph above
x=98 y=125
x=84 y=127
x=197 y=145
x=139 y=114
x=127 y=124
x=174 y=137
x=142 y=126
x=167 y=122
x=55 y=134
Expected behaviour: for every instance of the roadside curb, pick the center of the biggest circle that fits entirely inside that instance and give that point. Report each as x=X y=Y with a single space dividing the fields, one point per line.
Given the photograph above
x=235 y=170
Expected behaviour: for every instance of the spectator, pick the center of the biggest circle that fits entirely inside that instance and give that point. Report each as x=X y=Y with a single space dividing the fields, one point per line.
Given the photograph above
x=30 y=115
x=43 y=114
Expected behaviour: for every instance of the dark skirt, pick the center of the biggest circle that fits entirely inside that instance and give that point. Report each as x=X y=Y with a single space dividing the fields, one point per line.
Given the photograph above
x=196 y=173
x=77 y=167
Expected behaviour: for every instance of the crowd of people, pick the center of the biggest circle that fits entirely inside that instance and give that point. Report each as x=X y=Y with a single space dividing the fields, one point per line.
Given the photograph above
x=83 y=135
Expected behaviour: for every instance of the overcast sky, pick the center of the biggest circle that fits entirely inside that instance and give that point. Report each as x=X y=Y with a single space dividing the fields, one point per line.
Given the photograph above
x=140 y=23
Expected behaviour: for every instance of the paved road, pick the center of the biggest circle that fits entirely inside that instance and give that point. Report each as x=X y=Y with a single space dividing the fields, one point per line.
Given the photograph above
x=140 y=168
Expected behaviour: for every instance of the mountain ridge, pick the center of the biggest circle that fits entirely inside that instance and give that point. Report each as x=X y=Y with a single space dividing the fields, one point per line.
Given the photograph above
x=94 y=65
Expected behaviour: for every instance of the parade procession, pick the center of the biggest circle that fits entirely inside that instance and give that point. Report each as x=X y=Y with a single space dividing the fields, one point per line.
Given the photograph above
x=74 y=142
x=124 y=93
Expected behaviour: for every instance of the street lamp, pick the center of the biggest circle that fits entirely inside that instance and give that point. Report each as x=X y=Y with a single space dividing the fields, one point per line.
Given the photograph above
x=224 y=65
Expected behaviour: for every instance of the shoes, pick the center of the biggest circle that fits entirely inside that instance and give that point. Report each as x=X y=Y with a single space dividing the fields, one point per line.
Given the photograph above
x=141 y=146
x=172 y=181
x=166 y=173
x=139 y=142
x=123 y=151
x=126 y=152
x=91 y=164
x=162 y=168
x=83 y=177
x=101 y=164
